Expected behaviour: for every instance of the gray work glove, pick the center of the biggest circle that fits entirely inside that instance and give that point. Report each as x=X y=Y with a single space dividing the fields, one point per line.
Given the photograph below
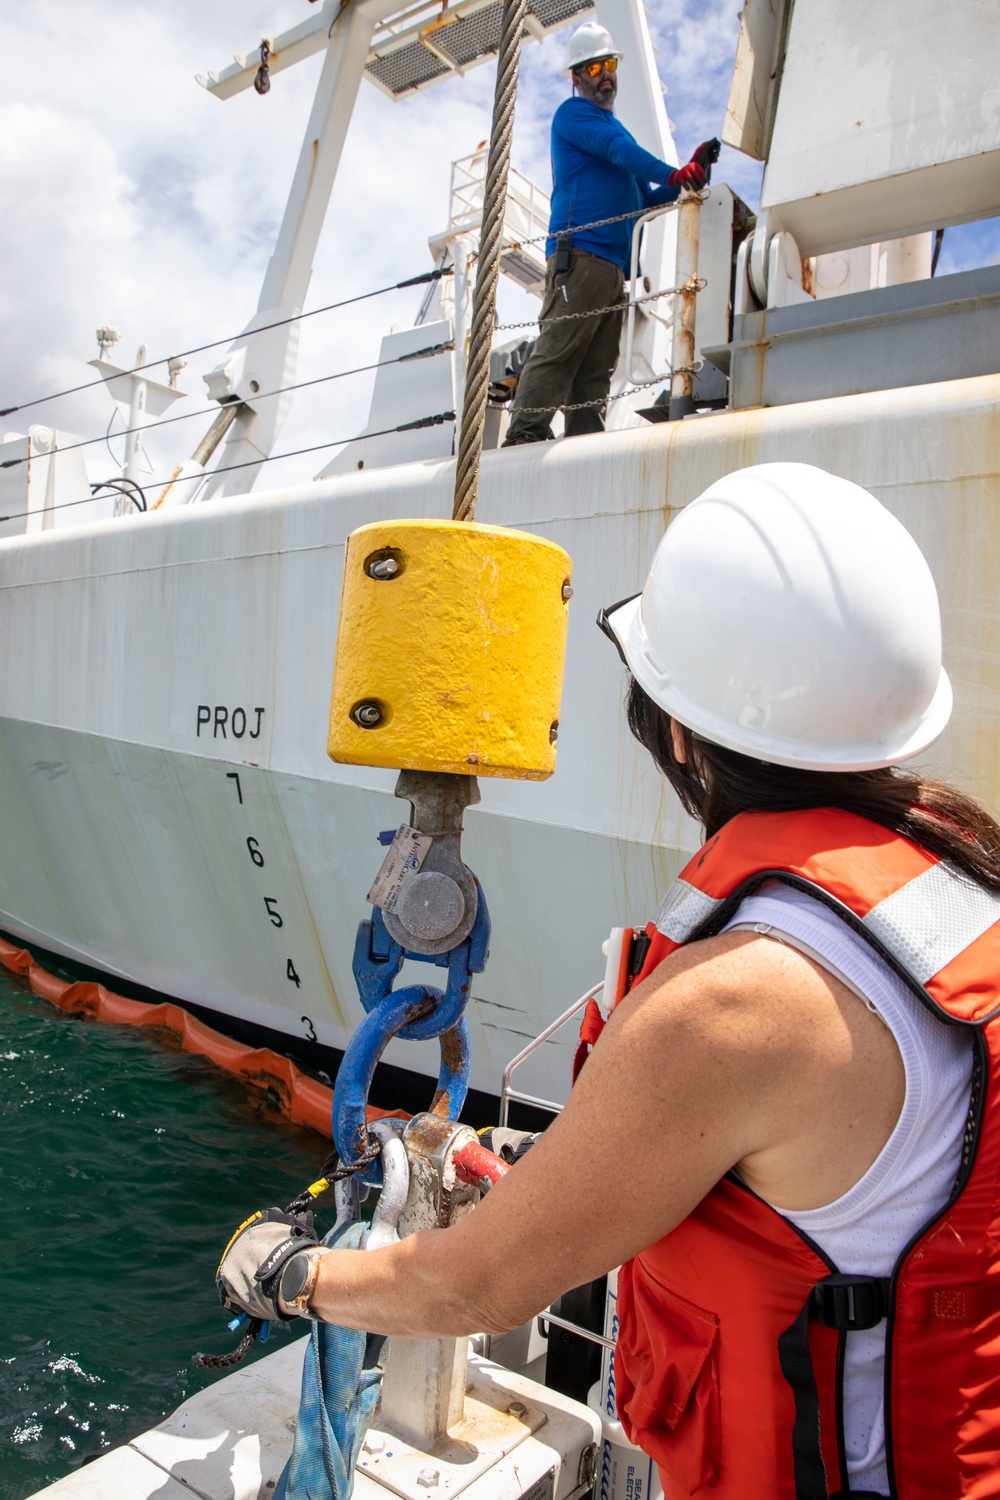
x=255 y=1257
x=509 y=1145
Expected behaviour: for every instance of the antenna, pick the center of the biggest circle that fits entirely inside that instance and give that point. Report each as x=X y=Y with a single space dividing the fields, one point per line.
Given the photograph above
x=106 y=337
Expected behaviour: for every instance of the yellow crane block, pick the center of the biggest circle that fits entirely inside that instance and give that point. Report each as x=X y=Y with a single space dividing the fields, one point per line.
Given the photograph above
x=450 y=649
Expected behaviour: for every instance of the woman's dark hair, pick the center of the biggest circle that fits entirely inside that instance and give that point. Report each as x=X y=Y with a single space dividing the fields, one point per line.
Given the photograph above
x=715 y=784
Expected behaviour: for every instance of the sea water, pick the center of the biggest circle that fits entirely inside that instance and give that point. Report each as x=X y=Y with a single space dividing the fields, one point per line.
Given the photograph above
x=125 y=1165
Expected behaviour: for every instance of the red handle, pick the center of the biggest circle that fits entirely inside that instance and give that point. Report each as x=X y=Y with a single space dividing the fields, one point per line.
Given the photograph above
x=479 y=1167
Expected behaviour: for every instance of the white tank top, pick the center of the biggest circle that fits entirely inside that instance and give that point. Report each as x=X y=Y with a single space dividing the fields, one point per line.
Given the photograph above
x=865 y=1230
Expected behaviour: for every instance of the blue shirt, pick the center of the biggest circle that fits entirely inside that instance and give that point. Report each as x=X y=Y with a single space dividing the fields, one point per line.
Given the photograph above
x=599 y=170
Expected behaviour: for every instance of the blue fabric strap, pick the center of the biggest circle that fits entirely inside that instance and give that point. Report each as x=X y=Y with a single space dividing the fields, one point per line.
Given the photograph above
x=340 y=1384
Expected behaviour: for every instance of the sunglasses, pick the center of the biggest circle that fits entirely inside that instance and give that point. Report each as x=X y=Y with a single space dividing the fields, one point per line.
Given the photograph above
x=605 y=626
x=593 y=69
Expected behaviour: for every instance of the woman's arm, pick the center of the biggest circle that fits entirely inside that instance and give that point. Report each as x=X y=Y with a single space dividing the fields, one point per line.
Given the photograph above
x=701 y=1067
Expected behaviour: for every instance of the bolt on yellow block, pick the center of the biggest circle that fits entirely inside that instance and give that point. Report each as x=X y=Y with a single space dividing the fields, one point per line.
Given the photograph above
x=450 y=649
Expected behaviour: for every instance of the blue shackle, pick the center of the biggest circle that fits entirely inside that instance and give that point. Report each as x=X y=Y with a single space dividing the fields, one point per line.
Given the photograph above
x=417 y=1013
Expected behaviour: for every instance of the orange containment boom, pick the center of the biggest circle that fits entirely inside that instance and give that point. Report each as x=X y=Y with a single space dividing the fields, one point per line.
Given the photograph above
x=304 y=1100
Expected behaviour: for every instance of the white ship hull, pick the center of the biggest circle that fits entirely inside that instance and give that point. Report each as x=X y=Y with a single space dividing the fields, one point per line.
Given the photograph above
x=164 y=697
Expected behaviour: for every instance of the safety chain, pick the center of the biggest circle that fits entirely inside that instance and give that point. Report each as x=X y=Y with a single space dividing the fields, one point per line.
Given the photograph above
x=262 y=82
x=698 y=285
x=634 y=390
x=634 y=213
x=484 y=298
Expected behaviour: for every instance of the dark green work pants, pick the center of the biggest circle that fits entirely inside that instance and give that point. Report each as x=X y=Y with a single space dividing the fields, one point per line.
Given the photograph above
x=574 y=360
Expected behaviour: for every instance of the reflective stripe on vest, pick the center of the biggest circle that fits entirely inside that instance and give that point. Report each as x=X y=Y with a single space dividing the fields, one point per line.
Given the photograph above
x=922 y=926
x=731 y=1326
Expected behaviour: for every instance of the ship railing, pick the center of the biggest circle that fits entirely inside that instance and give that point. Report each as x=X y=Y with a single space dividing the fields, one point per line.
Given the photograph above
x=525 y=222
x=641 y=295
x=508 y=1096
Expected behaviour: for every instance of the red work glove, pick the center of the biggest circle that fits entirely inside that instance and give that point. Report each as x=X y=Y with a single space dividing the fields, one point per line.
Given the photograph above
x=692 y=176
x=698 y=172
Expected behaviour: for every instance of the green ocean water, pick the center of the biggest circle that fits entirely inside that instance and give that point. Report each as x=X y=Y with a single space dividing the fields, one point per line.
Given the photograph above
x=124 y=1166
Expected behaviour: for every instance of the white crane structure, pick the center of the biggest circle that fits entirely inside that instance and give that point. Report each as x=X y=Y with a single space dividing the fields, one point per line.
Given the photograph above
x=401 y=50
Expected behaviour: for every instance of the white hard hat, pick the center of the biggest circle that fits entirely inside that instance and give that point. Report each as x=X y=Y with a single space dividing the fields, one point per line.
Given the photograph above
x=789 y=616
x=588 y=42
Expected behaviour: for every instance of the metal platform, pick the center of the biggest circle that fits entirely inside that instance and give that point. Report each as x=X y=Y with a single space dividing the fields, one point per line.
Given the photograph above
x=425 y=45
x=411 y=47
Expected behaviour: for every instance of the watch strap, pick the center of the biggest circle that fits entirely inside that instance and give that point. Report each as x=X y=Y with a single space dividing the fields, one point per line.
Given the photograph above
x=298 y=1281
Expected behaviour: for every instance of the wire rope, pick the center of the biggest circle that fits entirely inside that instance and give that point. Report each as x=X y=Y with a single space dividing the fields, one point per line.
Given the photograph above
x=252 y=463
x=425 y=276
x=484 y=297
x=87 y=385
x=214 y=407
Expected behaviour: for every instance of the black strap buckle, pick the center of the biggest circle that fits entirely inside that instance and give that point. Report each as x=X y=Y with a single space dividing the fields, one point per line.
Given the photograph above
x=641 y=944
x=850 y=1302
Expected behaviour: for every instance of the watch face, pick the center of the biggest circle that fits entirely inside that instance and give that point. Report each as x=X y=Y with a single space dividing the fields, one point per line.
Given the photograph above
x=294 y=1277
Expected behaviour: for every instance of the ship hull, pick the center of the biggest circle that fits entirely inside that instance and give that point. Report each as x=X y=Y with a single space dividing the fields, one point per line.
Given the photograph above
x=168 y=814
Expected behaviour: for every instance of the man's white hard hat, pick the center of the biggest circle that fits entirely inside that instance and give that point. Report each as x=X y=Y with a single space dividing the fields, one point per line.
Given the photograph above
x=788 y=615
x=588 y=42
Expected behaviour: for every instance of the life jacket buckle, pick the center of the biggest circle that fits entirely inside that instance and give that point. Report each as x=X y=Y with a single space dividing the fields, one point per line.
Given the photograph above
x=850 y=1303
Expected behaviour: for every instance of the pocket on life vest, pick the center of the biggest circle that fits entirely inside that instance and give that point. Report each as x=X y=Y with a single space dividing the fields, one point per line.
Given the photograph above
x=668 y=1379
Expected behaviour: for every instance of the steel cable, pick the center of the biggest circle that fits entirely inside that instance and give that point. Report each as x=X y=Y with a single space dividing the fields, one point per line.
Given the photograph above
x=434 y=421
x=425 y=276
x=215 y=406
x=151 y=364
x=477 y=379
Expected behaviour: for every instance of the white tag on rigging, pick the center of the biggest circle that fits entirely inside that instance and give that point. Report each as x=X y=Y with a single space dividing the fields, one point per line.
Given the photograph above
x=405 y=855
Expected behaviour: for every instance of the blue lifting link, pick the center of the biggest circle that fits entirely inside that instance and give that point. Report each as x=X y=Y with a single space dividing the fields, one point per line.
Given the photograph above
x=418 y=1013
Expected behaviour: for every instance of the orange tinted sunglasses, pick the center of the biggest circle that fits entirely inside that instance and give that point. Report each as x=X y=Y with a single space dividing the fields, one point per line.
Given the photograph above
x=592 y=69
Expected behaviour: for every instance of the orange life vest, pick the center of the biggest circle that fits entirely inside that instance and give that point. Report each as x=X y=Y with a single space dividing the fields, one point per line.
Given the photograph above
x=733 y=1326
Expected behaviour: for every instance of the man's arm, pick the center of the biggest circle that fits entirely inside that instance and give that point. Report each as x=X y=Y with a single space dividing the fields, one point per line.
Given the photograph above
x=727 y=1054
x=656 y=197
x=607 y=138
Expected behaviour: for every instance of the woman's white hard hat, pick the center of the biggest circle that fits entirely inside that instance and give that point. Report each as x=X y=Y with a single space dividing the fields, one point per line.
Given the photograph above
x=788 y=615
x=587 y=43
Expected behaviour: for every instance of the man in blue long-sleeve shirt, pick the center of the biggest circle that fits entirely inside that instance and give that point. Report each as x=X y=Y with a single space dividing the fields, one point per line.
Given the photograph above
x=599 y=171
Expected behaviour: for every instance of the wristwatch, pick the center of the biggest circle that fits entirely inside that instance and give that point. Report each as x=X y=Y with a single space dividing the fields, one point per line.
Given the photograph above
x=298 y=1281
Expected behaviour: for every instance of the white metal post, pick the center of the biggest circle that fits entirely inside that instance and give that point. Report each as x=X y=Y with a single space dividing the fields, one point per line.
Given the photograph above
x=261 y=362
x=682 y=380
x=133 y=440
x=639 y=105
x=423 y=1389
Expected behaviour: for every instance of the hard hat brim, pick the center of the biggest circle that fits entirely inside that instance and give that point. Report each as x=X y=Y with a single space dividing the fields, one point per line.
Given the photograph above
x=625 y=624
x=568 y=72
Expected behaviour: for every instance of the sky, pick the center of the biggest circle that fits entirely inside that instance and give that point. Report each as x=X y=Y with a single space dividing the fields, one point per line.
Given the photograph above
x=132 y=197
